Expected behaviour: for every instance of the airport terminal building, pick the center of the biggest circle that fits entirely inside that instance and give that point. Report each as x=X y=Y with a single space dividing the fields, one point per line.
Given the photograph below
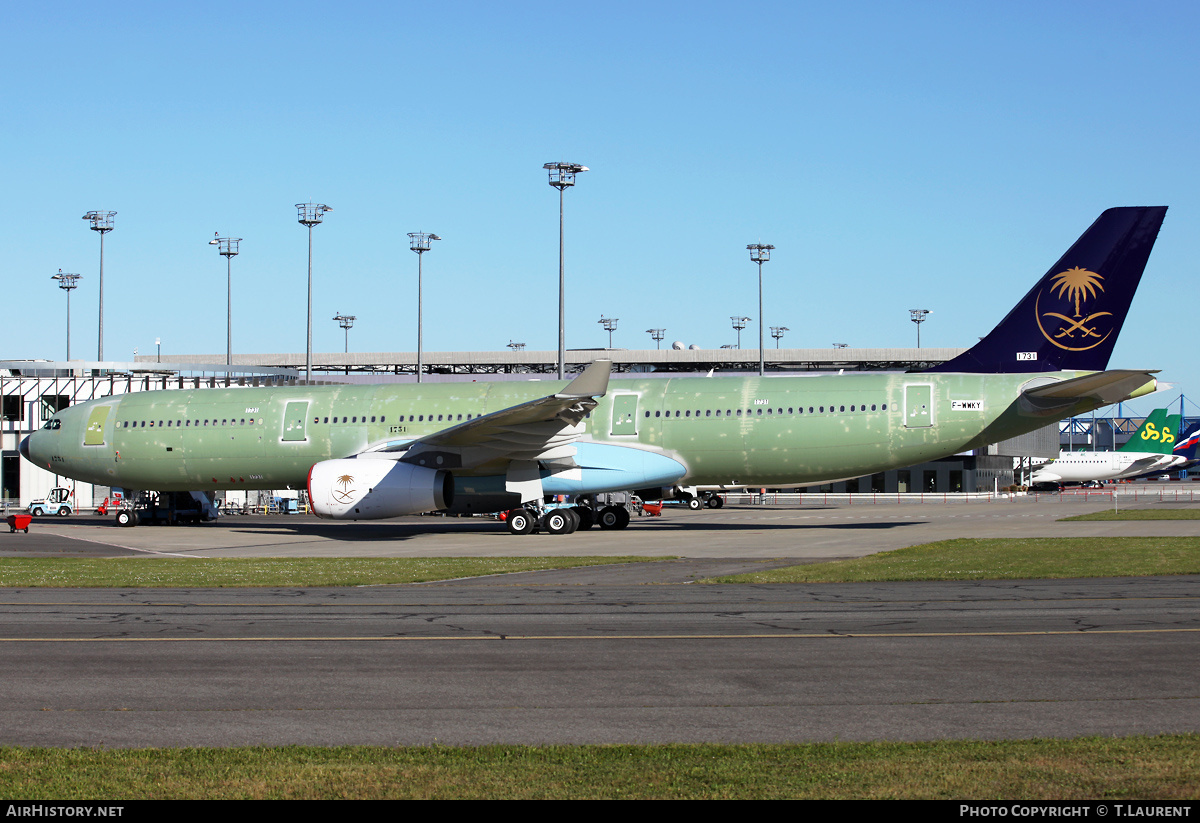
x=32 y=391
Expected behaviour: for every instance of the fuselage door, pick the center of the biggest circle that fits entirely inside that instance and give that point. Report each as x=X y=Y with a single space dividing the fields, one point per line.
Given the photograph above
x=294 y=418
x=624 y=414
x=93 y=435
x=918 y=406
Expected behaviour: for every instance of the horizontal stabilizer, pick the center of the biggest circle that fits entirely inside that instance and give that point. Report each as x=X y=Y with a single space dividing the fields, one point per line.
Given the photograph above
x=1099 y=389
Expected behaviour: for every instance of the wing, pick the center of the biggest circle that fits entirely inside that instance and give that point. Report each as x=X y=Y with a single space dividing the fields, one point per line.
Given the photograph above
x=542 y=430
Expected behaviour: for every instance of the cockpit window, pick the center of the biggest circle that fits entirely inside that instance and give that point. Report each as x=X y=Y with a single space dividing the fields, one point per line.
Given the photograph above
x=53 y=424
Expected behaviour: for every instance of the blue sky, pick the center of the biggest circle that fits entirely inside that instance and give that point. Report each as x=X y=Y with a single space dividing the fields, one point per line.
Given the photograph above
x=898 y=155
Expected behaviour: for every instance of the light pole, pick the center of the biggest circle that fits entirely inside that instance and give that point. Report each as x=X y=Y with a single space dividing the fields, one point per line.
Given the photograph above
x=66 y=282
x=346 y=321
x=918 y=317
x=102 y=221
x=310 y=214
x=760 y=254
x=739 y=323
x=419 y=241
x=562 y=175
x=158 y=344
x=777 y=332
x=657 y=335
x=227 y=247
x=610 y=325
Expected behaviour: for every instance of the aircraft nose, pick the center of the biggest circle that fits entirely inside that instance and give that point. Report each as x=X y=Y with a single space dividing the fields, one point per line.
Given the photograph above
x=24 y=448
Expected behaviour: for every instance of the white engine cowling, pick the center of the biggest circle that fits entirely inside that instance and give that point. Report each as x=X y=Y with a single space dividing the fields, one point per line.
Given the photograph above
x=374 y=489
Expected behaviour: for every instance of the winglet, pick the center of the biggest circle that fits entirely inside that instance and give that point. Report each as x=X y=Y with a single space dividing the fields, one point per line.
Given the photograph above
x=592 y=382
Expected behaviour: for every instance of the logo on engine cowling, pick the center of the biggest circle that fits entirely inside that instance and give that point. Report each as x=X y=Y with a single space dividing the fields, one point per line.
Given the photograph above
x=345 y=494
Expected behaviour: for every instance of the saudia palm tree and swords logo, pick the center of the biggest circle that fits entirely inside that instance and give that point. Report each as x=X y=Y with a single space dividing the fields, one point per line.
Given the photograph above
x=1082 y=331
x=344 y=494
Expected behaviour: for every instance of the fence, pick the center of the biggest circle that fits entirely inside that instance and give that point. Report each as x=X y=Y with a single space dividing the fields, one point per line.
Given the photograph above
x=1122 y=493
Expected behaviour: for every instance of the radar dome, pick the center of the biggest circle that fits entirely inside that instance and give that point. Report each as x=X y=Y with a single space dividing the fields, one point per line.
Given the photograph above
x=677 y=345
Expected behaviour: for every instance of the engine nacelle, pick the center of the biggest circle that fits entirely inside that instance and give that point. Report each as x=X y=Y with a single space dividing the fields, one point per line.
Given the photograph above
x=371 y=489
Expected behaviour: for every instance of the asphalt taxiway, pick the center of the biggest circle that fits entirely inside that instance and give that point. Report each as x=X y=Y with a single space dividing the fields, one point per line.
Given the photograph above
x=597 y=656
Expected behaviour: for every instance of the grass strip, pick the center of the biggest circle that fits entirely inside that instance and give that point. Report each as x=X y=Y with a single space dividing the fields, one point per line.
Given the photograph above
x=1138 y=514
x=163 y=572
x=1162 y=768
x=1001 y=559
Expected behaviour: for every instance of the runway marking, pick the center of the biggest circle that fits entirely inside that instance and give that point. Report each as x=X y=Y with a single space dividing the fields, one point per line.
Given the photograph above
x=774 y=636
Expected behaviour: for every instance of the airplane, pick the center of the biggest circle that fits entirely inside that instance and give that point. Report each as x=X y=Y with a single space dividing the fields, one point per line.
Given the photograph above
x=1185 y=448
x=373 y=452
x=1182 y=457
x=1149 y=449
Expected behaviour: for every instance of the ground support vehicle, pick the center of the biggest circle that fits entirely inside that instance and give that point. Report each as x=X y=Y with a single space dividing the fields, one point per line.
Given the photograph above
x=58 y=501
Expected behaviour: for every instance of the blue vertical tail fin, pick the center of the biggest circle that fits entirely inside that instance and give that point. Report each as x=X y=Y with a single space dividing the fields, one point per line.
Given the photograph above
x=1070 y=320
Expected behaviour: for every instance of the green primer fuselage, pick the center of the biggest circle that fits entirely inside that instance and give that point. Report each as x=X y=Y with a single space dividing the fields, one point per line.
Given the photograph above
x=733 y=430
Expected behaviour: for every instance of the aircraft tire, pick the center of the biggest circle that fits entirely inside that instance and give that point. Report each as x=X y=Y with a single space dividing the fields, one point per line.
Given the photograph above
x=557 y=521
x=694 y=503
x=622 y=517
x=520 y=521
x=125 y=519
x=609 y=518
x=587 y=517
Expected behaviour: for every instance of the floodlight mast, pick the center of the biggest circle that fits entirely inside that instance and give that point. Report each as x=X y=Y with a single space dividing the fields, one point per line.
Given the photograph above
x=739 y=323
x=562 y=176
x=760 y=253
x=918 y=316
x=66 y=282
x=346 y=321
x=610 y=325
x=657 y=336
x=419 y=241
x=310 y=214
x=777 y=332
x=227 y=247
x=102 y=222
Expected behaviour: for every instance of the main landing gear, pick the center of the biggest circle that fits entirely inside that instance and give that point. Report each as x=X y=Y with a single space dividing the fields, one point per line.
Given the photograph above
x=566 y=520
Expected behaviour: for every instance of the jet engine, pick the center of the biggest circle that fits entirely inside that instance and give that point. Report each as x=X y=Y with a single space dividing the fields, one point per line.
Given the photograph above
x=371 y=489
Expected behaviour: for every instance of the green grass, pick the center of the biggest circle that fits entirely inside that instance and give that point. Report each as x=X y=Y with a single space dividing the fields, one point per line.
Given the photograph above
x=1003 y=559
x=161 y=572
x=1163 y=768
x=1138 y=514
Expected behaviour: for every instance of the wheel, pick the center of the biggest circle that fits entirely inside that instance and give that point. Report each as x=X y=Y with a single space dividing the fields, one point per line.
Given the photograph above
x=622 y=517
x=614 y=517
x=609 y=518
x=125 y=518
x=694 y=503
x=717 y=502
x=586 y=517
x=557 y=521
x=63 y=511
x=520 y=521
x=37 y=512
